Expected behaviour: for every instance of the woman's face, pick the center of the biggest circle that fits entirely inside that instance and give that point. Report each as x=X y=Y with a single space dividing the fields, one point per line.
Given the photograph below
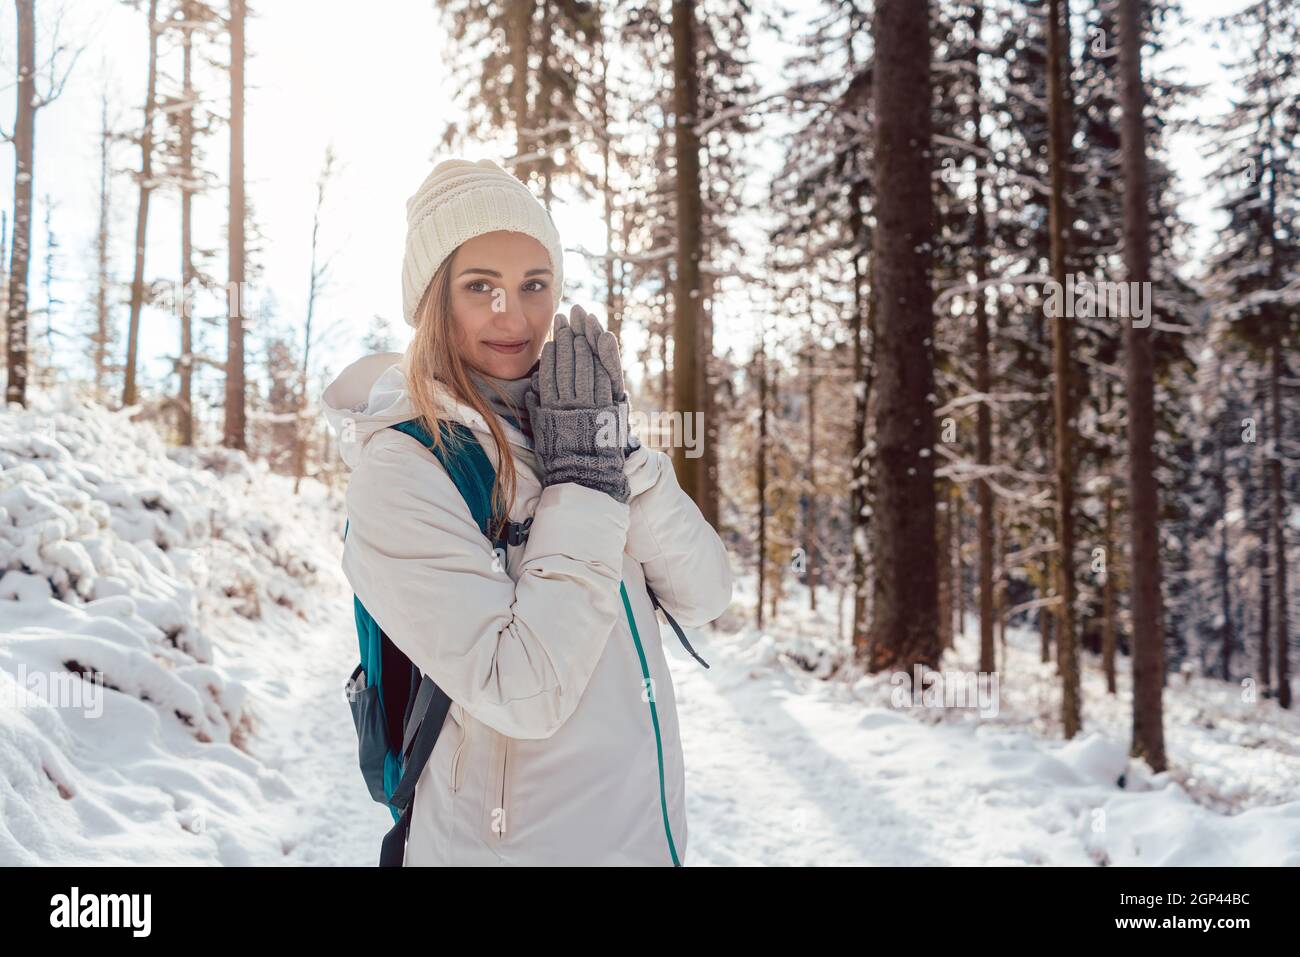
x=501 y=302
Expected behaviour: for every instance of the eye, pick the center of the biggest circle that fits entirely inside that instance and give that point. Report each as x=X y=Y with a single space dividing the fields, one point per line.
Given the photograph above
x=539 y=285
x=478 y=282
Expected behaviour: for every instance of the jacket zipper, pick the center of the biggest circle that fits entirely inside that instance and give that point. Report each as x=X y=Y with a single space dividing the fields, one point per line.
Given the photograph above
x=654 y=719
x=499 y=824
x=455 y=766
x=455 y=758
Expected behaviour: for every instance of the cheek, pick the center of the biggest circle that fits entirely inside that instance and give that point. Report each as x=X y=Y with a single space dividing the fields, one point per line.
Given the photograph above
x=469 y=318
x=540 y=316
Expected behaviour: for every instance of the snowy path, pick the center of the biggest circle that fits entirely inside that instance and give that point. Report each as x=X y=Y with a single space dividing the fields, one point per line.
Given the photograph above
x=309 y=738
x=781 y=773
x=786 y=769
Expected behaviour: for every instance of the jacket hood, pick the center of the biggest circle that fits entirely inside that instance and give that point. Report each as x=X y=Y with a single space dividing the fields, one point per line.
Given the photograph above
x=372 y=394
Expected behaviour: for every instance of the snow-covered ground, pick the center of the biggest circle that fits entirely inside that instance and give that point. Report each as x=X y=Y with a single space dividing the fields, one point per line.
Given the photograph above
x=784 y=767
x=207 y=599
x=203 y=601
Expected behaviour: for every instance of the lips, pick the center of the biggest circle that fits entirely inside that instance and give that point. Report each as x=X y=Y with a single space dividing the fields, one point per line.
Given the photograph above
x=509 y=348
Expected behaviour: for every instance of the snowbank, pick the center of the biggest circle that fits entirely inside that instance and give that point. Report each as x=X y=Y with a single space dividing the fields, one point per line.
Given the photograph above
x=154 y=606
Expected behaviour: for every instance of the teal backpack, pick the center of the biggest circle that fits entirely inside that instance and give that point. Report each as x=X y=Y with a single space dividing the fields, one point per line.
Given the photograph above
x=399 y=712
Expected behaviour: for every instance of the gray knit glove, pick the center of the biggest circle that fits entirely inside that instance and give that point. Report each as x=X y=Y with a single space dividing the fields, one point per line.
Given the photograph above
x=573 y=414
x=605 y=346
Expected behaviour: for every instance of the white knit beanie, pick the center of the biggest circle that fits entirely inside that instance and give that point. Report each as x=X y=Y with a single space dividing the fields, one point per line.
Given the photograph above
x=458 y=201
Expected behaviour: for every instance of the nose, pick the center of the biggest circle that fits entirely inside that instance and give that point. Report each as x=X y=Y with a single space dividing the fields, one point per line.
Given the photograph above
x=512 y=315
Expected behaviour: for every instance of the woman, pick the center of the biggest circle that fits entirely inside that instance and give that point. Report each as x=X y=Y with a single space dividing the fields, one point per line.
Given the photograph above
x=562 y=743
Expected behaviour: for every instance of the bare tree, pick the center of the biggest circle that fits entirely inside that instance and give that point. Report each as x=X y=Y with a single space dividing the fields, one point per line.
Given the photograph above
x=319 y=271
x=235 y=422
x=193 y=16
x=102 y=337
x=30 y=101
x=146 y=183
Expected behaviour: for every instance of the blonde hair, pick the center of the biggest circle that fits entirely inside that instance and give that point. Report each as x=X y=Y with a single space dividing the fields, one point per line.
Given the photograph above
x=434 y=354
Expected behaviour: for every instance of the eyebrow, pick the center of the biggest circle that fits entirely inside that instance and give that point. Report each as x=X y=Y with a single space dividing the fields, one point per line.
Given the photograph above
x=493 y=272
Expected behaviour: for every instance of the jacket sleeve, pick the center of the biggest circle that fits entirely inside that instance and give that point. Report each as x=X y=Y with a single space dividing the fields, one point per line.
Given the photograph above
x=514 y=654
x=683 y=558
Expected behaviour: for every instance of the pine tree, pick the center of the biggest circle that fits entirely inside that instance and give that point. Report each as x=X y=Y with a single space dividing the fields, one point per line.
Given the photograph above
x=1252 y=271
x=1148 y=641
x=904 y=630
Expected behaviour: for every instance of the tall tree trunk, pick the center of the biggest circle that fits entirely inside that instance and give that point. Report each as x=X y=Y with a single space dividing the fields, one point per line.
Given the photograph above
x=944 y=548
x=1143 y=496
x=904 y=628
x=665 y=367
x=810 y=515
x=4 y=276
x=520 y=40
x=24 y=139
x=708 y=461
x=771 y=374
x=1275 y=321
x=665 y=324
x=1000 y=586
x=983 y=377
x=1265 y=603
x=687 y=304
x=1279 y=585
x=544 y=112
x=236 y=294
x=862 y=372
x=1058 y=57
x=142 y=211
x=1108 y=592
x=185 y=362
x=959 y=566
x=1045 y=620
x=984 y=439
x=1225 y=595
x=102 y=335
x=761 y=477
x=613 y=305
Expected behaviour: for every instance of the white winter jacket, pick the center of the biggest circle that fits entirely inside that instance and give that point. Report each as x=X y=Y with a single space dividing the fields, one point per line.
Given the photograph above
x=562 y=745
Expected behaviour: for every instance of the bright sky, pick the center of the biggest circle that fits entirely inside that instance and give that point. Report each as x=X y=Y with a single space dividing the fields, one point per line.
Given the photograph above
x=373 y=86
